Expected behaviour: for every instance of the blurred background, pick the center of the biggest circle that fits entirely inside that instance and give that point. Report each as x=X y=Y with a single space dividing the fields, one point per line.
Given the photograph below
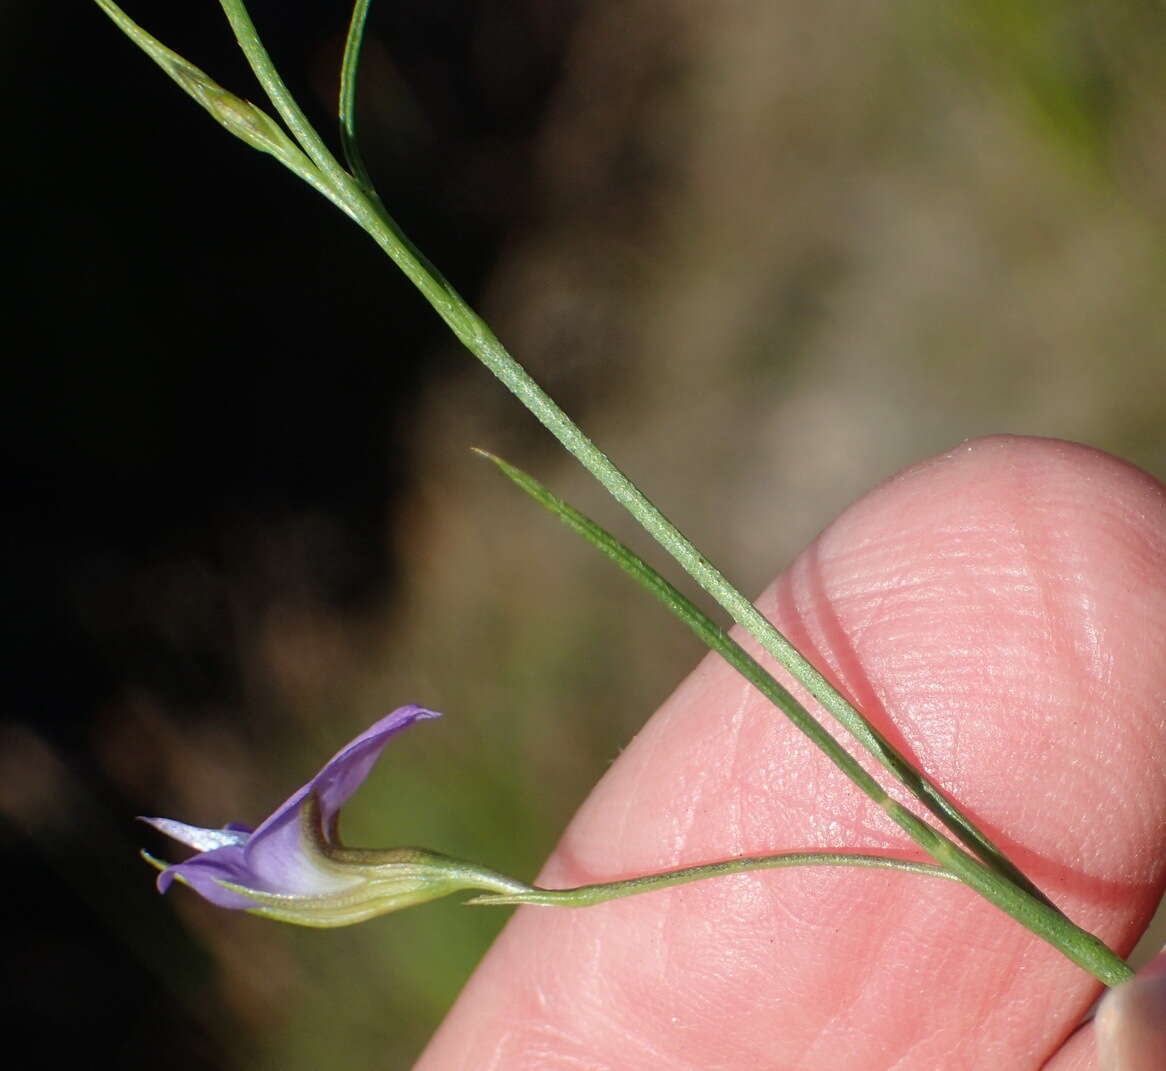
x=766 y=252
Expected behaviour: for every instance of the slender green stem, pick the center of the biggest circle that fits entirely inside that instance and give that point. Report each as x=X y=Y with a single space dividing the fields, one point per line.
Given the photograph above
x=478 y=338
x=586 y=895
x=481 y=341
x=277 y=92
x=363 y=208
x=1037 y=914
x=491 y=353
x=1015 y=894
x=476 y=335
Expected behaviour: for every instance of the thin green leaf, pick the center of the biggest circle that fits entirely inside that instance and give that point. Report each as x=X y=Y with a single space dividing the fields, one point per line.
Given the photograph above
x=1038 y=915
x=349 y=67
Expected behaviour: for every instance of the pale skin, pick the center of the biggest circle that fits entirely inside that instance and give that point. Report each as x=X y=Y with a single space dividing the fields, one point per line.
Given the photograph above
x=1000 y=612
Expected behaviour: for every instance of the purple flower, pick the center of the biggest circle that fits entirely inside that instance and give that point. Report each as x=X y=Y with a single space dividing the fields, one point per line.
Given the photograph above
x=294 y=868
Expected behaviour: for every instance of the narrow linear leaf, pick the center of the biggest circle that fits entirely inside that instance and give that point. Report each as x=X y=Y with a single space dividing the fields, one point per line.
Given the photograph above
x=1038 y=915
x=349 y=68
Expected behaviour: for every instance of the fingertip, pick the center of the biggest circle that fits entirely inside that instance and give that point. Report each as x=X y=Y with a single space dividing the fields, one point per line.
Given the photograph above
x=998 y=610
x=1131 y=1023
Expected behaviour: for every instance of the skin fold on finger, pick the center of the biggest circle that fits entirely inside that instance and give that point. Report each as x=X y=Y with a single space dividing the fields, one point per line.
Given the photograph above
x=998 y=611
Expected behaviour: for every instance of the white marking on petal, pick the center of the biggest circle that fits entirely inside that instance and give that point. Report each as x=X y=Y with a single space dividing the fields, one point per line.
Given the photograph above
x=203 y=840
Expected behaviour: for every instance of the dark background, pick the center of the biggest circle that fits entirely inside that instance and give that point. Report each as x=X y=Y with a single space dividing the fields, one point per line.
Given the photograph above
x=770 y=253
x=209 y=390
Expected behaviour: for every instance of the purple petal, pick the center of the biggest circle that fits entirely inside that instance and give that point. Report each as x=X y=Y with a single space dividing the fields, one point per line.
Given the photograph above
x=202 y=873
x=275 y=854
x=344 y=773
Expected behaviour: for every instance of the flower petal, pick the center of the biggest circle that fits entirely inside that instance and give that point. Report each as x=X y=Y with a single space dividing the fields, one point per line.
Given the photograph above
x=344 y=773
x=276 y=855
x=205 y=840
x=203 y=873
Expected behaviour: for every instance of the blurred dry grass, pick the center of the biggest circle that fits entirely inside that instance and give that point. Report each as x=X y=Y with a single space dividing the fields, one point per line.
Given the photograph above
x=780 y=251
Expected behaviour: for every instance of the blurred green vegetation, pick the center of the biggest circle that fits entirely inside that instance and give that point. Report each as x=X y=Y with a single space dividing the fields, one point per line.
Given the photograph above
x=769 y=254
